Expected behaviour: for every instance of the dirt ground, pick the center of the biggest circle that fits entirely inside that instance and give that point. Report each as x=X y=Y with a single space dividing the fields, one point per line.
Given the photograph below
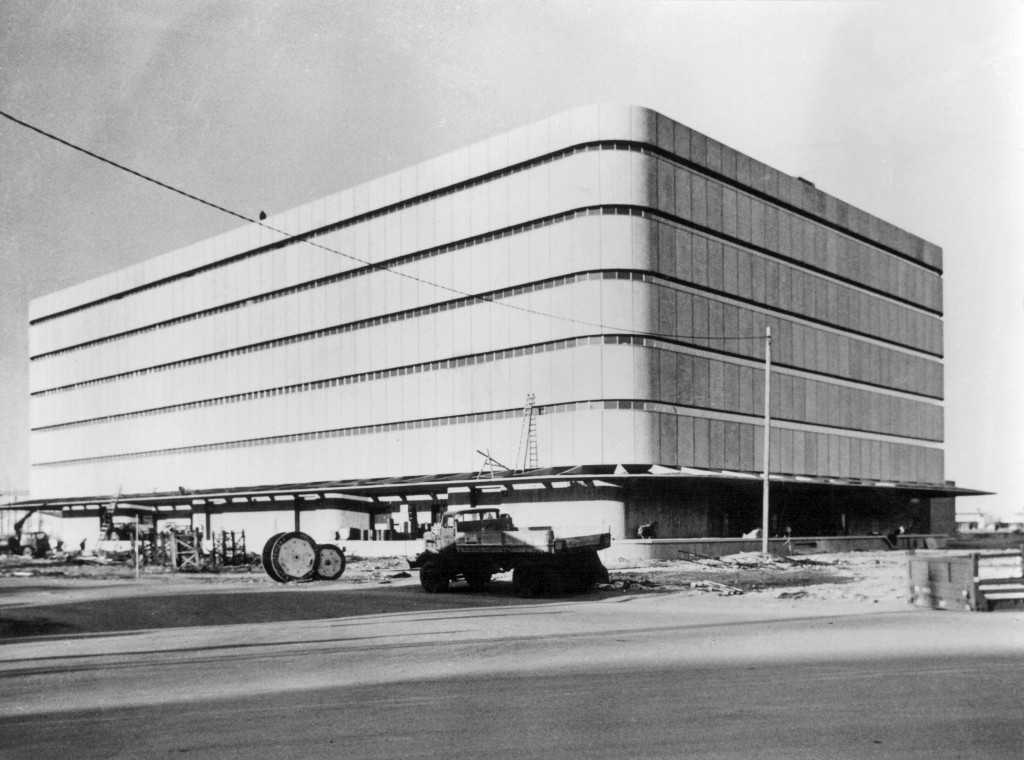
x=54 y=592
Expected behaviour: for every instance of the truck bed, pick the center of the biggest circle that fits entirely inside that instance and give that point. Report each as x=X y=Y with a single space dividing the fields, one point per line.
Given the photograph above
x=528 y=541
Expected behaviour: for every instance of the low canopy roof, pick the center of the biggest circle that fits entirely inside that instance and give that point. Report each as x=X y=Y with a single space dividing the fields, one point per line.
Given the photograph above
x=373 y=489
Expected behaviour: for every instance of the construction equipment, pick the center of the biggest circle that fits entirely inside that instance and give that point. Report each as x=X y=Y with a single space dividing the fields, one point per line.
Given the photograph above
x=35 y=544
x=475 y=544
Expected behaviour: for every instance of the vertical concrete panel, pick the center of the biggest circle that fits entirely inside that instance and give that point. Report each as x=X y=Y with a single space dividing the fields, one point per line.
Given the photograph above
x=716 y=325
x=698 y=148
x=845 y=458
x=701 y=382
x=731 y=445
x=669 y=437
x=811 y=453
x=716 y=265
x=744 y=287
x=684 y=315
x=698 y=199
x=757 y=279
x=772 y=285
x=666 y=186
x=644 y=172
x=746 y=459
x=701 y=326
x=699 y=275
x=616 y=241
x=620 y=444
x=668 y=377
x=667 y=250
x=684 y=384
x=715 y=206
x=716 y=381
x=771 y=232
x=684 y=256
x=539 y=190
x=682 y=141
x=683 y=194
x=701 y=443
x=644 y=243
x=730 y=270
x=685 y=455
x=823 y=454
x=757 y=223
x=746 y=376
x=787 y=463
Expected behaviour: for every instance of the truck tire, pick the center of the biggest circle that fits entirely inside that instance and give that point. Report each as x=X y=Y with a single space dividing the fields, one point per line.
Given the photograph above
x=552 y=582
x=477 y=579
x=586 y=572
x=433 y=579
x=330 y=563
x=526 y=581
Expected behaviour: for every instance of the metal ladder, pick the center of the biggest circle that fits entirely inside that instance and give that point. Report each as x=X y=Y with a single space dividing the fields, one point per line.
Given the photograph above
x=528 y=437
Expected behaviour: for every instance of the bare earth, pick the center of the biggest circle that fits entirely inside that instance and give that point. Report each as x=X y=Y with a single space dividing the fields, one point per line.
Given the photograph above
x=52 y=597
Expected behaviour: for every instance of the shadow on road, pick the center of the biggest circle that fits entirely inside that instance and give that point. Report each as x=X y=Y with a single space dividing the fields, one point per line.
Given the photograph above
x=185 y=609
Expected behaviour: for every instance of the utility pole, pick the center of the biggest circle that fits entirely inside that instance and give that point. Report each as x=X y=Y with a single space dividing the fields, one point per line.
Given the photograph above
x=767 y=434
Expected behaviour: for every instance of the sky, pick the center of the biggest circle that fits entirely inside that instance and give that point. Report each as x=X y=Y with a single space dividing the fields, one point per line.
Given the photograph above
x=911 y=111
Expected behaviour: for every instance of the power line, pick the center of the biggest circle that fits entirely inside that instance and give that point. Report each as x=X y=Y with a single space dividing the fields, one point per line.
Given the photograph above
x=301 y=237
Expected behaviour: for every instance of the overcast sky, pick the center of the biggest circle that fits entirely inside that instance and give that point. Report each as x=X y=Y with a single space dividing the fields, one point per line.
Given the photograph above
x=911 y=111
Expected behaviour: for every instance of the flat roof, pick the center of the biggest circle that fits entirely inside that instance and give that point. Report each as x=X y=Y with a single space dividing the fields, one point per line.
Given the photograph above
x=372 y=490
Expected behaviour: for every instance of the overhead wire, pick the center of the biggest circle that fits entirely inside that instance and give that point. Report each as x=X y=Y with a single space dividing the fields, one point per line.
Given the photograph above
x=379 y=266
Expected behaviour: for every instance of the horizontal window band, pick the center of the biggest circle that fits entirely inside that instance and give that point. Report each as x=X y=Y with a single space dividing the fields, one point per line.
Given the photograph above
x=399 y=261
x=616 y=274
x=469 y=360
x=642 y=148
x=502 y=414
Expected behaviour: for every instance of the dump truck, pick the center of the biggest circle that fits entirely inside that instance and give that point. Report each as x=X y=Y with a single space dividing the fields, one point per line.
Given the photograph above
x=475 y=544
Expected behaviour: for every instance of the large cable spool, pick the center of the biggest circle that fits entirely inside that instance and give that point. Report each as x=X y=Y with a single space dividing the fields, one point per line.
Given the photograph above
x=268 y=565
x=330 y=562
x=290 y=557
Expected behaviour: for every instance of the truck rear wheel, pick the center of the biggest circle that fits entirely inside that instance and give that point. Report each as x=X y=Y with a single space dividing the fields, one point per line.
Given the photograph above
x=433 y=579
x=526 y=581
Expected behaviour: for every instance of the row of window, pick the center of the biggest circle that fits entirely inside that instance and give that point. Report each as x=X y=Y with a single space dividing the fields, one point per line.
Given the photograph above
x=692 y=257
x=405 y=425
x=701 y=324
x=310 y=236
x=671 y=375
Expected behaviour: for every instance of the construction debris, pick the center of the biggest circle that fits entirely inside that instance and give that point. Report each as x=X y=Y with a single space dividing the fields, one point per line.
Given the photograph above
x=719 y=588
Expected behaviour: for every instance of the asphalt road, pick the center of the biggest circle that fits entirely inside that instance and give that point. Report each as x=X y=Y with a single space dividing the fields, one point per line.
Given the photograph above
x=666 y=676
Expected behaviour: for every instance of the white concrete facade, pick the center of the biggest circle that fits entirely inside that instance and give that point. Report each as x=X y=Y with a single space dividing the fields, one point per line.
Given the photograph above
x=618 y=265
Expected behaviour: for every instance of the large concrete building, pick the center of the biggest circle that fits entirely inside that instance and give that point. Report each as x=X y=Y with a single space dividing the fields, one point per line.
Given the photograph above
x=355 y=356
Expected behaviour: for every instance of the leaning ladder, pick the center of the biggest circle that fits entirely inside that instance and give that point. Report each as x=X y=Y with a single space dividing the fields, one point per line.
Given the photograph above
x=528 y=436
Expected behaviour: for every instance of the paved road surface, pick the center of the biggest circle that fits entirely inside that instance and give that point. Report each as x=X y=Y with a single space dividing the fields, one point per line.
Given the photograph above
x=664 y=676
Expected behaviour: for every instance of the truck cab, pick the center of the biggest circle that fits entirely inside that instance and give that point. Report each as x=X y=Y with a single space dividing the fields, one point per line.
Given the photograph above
x=458 y=523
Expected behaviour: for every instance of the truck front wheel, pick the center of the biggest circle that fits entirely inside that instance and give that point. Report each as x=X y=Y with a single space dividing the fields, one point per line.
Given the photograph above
x=432 y=579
